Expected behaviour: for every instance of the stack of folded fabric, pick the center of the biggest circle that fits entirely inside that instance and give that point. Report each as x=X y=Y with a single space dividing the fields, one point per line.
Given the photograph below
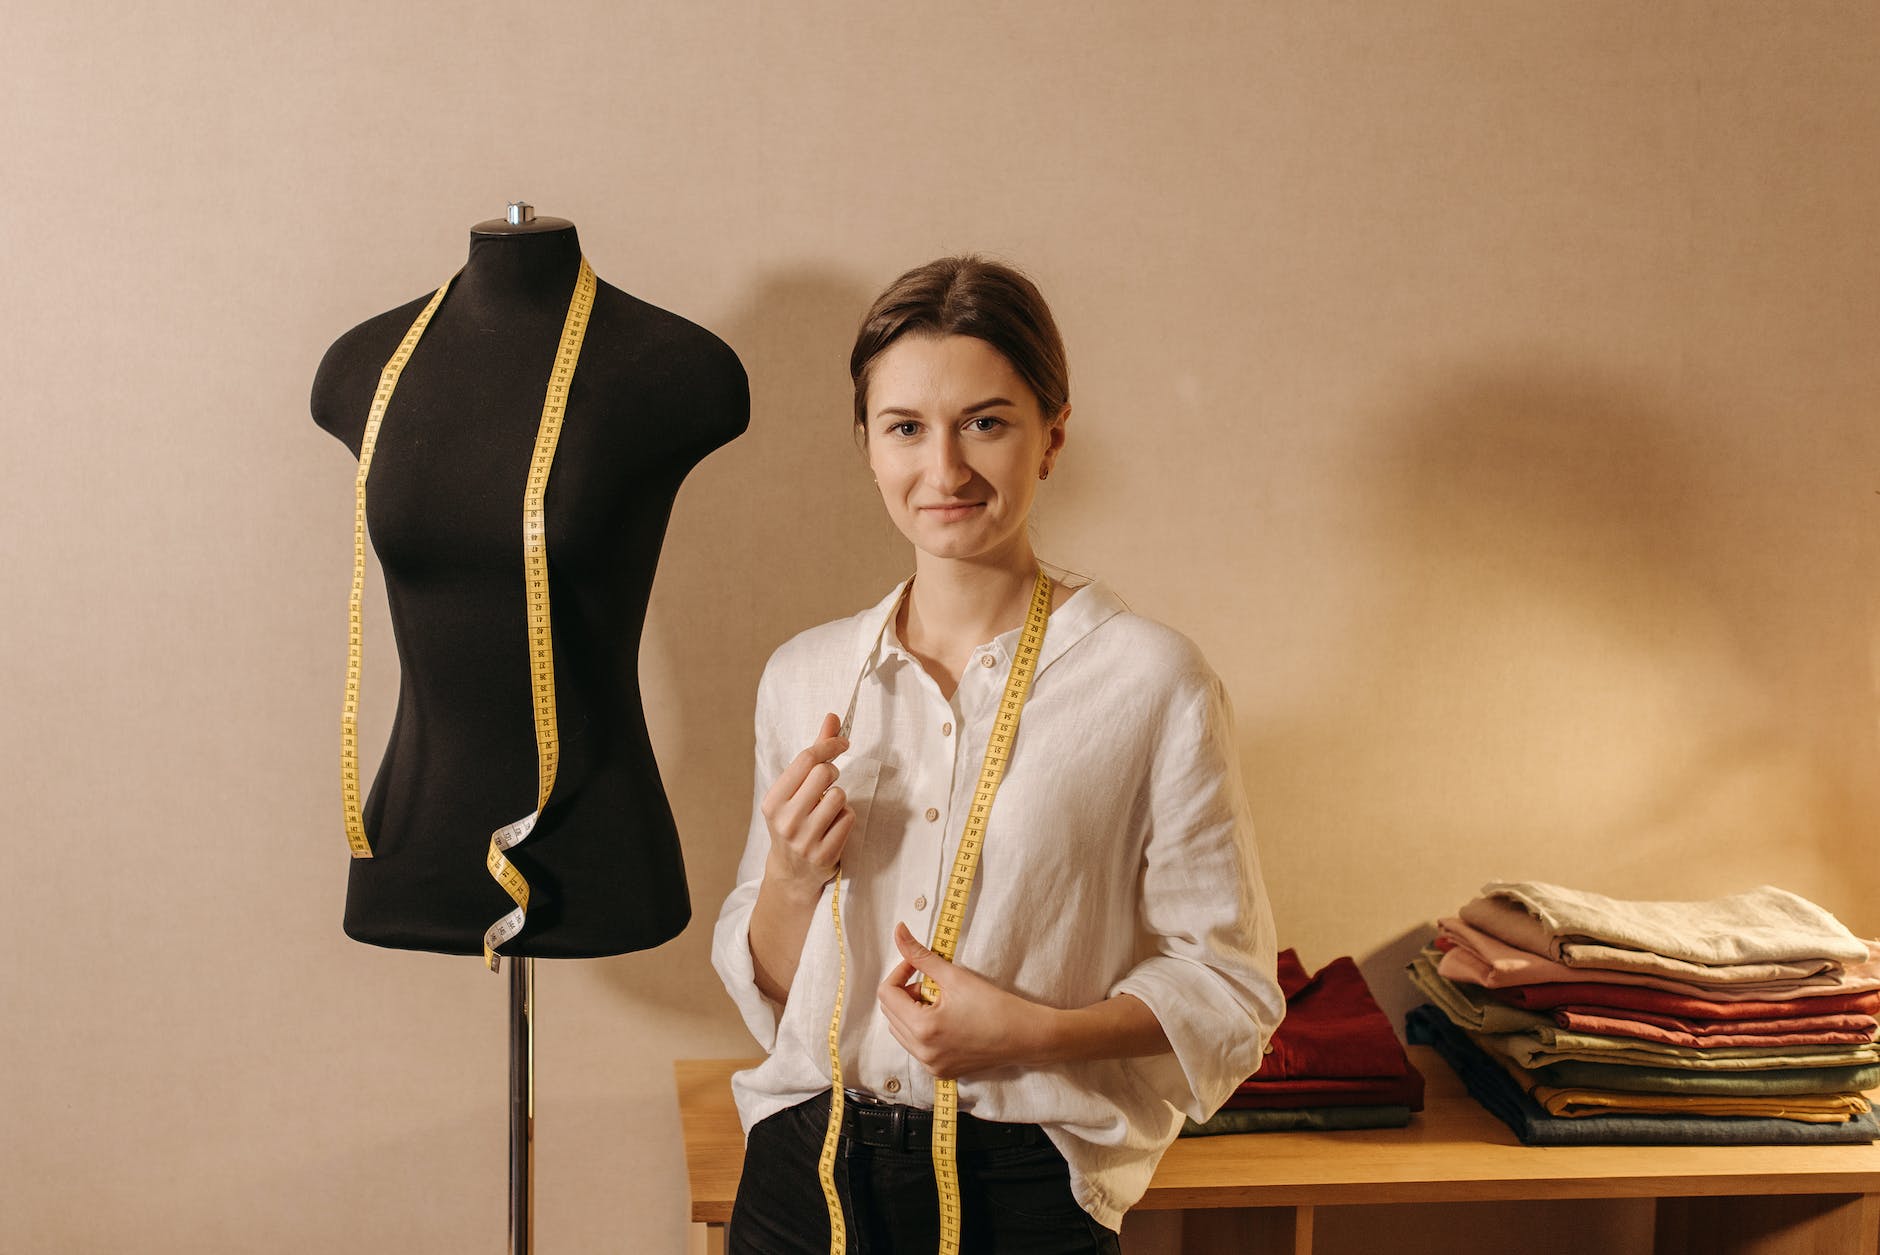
x=1334 y=1062
x=1582 y=1019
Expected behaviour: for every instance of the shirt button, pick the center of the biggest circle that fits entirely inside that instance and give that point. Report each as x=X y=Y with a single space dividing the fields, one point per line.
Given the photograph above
x=893 y=1086
x=985 y=660
x=932 y=814
x=946 y=729
x=920 y=903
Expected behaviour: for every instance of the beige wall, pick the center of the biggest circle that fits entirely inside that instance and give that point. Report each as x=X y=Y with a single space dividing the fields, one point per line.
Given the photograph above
x=1489 y=389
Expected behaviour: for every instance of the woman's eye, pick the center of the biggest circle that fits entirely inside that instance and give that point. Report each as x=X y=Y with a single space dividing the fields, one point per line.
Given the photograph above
x=907 y=428
x=985 y=422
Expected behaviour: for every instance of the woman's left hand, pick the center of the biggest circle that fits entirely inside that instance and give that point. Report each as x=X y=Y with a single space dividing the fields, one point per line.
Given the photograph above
x=971 y=1025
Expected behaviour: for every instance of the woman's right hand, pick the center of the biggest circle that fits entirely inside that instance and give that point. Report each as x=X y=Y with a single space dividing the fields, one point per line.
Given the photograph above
x=808 y=816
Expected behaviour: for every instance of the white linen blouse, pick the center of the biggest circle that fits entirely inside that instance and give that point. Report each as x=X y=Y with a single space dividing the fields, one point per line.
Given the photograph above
x=1118 y=858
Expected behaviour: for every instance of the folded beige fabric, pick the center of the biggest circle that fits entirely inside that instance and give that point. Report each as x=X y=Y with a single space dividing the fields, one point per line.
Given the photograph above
x=1551 y=1036
x=1479 y=958
x=1764 y=924
x=1514 y=924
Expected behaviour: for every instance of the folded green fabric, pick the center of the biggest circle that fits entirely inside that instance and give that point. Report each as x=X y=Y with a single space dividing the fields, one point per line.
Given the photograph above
x=1575 y=1103
x=1298 y=1119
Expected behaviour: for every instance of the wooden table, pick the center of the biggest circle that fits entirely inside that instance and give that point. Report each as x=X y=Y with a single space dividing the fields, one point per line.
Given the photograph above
x=1256 y=1192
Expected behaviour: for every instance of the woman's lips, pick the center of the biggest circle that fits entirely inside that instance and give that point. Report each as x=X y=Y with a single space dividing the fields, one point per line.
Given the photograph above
x=952 y=512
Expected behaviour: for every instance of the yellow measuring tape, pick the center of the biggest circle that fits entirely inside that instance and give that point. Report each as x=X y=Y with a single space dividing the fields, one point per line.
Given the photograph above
x=355 y=618
x=832 y=1135
x=535 y=589
x=946 y=937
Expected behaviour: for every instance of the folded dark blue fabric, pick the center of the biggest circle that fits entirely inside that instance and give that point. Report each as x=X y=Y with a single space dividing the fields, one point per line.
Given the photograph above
x=1491 y=1086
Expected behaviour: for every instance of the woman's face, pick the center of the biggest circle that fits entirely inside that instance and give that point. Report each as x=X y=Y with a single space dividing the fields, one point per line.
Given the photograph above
x=956 y=441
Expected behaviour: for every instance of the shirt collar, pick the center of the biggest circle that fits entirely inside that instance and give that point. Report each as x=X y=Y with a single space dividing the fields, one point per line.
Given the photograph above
x=1087 y=608
x=872 y=627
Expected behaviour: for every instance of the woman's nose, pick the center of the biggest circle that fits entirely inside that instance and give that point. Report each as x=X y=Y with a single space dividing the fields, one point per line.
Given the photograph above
x=946 y=468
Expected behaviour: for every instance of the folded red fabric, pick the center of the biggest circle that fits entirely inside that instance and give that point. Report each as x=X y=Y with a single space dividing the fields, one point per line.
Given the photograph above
x=1335 y=1039
x=1642 y=998
x=1331 y=1091
x=1857 y=1027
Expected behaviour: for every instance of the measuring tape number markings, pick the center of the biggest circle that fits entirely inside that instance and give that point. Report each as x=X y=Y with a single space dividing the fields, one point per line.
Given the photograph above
x=946 y=939
x=536 y=600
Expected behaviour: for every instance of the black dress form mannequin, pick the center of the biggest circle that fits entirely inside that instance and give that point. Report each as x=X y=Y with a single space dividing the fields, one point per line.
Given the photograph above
x=652 y=395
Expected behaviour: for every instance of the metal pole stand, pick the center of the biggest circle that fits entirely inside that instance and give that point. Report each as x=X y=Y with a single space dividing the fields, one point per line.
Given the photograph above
x=521 y=1106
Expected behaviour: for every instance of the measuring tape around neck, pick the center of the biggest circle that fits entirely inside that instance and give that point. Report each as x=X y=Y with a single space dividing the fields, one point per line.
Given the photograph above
x=536 y=601
x=946 y=938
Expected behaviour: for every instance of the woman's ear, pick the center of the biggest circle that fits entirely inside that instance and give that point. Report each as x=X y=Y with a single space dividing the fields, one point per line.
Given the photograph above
x=1057 y=429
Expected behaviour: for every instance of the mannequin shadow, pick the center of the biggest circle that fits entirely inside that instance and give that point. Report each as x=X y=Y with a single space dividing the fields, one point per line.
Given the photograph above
x=774 y=533
x=1383 y=969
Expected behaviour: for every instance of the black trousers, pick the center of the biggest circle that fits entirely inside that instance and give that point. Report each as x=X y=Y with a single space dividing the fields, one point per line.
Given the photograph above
x=1012 y=1199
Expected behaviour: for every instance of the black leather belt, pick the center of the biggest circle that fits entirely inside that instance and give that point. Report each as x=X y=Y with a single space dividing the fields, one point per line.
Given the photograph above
x=868 y=1120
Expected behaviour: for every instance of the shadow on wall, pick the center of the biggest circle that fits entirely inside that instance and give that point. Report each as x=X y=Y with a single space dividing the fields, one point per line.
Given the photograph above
x=1383 y=970
x=1544 y=673
x=775 y=533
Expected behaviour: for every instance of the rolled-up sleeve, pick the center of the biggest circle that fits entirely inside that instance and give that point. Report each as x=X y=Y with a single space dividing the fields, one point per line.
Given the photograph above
x=731 y=939
x=1209 y=971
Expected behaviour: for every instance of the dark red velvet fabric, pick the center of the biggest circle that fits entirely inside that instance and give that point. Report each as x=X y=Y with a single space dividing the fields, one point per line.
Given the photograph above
x=1335 y=1048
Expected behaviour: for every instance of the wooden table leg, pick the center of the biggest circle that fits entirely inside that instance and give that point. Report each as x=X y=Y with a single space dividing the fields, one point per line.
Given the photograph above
x=1671 y=1227
x=1782 y=1224
x=1247 y=1231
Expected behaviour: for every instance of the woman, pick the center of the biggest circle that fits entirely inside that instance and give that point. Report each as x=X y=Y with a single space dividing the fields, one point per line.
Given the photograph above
x=1115 y=962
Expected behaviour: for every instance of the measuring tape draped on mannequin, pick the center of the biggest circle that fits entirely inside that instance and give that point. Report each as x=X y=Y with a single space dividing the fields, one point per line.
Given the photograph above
x=946 y=938
x=535 y=592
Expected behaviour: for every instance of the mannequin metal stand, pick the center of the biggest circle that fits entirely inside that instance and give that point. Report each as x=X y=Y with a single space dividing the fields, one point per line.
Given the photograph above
x=521 y=1105
x=521 y=1039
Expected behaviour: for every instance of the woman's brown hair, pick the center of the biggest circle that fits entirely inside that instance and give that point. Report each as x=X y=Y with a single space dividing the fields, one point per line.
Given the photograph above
x=967 y=296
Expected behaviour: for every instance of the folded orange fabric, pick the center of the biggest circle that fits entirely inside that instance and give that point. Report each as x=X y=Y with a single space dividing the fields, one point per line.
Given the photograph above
x=1819 y=1030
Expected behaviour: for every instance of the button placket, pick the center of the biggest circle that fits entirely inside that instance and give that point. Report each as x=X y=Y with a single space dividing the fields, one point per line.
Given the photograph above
x=980 y=690
x=935 y=819
x=940 y=760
